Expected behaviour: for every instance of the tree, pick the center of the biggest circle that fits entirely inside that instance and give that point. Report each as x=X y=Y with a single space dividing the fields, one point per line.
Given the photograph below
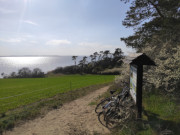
x=100 y=55
x=81 y=65
x=105 y=54
x=2 y=74
x=74 y=58
x=37 y=72
x=151 y=18
x=95 y=55
x=24 y=73
x=13 y=75
x=92 y=58
x=84 y=60
x=118 y=53
x=157 y=31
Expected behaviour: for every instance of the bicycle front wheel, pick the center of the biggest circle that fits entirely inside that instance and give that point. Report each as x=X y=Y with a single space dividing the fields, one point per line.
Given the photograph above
x=99 y=107
x=101 y=118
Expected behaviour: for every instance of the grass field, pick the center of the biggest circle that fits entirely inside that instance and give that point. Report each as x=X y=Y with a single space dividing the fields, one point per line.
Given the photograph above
x=18 y=92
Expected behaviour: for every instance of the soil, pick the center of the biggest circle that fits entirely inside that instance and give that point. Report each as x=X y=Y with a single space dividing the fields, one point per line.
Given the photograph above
x=73 y=118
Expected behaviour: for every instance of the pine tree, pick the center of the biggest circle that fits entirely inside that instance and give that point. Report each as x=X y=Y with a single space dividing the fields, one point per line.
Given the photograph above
x=152 y=18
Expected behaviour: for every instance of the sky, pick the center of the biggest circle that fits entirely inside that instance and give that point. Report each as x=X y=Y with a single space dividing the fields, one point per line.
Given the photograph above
x=62 y=27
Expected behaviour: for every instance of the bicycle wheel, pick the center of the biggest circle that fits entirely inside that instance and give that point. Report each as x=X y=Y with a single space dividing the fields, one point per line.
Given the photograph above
x=99 y=107
x=118 y=117
x=130 y=114
x=112 y=120
x=101 y=118
x=125 y=114
x=128 y=102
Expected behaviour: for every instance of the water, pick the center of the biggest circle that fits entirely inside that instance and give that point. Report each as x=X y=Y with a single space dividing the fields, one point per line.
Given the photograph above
x=13 y=64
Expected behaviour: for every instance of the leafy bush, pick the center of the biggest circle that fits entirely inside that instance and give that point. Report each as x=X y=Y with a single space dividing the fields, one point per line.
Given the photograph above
x=26 y=73
x=67 y=70
x=124 y=74
x=166 y=75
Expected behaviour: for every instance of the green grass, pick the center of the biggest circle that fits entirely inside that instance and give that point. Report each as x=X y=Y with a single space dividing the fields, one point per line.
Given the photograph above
x=15 y=93
x=38 y=109
x=161 y=113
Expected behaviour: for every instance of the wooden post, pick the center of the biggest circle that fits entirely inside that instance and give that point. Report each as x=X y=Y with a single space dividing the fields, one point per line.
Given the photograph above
x=139 y=90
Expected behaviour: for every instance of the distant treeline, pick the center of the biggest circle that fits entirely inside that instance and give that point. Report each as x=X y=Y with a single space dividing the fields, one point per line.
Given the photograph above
x=103 y=62
x=25 y=73
x=98 y=63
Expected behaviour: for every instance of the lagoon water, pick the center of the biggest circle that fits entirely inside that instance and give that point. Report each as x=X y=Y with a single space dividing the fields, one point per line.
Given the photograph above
x=45 y=63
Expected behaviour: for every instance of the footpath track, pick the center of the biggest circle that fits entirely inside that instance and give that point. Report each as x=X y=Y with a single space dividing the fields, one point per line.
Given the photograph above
x=76 y=117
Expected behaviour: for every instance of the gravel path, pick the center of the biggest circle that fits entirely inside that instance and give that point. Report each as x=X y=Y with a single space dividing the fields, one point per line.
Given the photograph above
x=74 y=118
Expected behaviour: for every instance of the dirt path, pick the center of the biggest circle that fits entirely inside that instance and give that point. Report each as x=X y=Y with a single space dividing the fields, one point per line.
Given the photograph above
x=74 y=118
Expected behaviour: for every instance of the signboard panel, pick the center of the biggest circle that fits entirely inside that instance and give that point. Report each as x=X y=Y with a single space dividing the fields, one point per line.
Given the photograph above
x=133 y=82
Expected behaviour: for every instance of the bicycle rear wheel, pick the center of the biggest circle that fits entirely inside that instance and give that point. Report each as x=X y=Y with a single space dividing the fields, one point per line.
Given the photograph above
x=118 y=117
x=112 y=120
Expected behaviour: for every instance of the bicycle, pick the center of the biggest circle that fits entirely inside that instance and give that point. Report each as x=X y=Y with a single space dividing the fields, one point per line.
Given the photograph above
x=117 y=109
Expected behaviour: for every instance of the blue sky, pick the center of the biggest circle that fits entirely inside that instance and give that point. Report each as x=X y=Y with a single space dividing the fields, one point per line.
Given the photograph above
x=61 y=27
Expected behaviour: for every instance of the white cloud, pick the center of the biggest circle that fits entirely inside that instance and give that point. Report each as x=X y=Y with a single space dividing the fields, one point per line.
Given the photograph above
x=89 y=44
x=58 y=42
x=33 y=42
x=87 y=48
x=12 y=40
x=30 y=22
x=96 y=45
x=15 y=40
x=6 y=11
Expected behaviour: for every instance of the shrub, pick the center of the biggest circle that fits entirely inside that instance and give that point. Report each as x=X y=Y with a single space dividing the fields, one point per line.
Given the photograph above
x=124 y=74
x=26 y=73
x=166 y=75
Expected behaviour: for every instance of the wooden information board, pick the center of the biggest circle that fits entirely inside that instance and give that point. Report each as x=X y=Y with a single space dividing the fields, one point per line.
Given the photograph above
x=136 y=62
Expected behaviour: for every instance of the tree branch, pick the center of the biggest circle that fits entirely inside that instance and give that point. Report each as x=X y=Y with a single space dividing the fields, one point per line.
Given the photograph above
x=157 y=9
